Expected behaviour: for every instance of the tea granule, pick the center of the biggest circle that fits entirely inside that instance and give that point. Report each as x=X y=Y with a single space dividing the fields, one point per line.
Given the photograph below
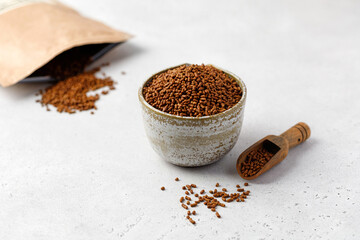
x=72 y=93
x=255 y=161
x=192 y=91
x=211 y=202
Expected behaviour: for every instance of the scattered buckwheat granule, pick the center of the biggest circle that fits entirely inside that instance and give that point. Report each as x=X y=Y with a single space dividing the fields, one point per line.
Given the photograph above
x=193 y=91
x=176 y=179
x=192 y=221
x=71 y=94
x=217 y=185
x=213 y=201
x=162 y=188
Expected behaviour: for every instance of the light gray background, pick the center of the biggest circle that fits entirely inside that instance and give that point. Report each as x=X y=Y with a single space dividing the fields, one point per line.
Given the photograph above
x=95 y=177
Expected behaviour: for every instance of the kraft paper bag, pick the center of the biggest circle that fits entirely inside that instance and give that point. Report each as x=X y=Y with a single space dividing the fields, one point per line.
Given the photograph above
x=33 y=32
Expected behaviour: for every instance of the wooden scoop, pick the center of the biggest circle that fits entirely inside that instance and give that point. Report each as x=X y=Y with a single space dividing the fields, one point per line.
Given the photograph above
x=277 y=145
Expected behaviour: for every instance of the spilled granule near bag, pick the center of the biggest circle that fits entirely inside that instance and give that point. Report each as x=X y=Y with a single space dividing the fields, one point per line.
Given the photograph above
x=36 y=31
x=73 y=93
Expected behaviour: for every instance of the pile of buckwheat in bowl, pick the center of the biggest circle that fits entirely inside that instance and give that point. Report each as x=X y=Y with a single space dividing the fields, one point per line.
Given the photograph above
x=193 y=113
x=193 y=91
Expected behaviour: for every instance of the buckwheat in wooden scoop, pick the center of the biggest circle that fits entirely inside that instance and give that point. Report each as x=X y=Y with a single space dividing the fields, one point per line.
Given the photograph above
x=270 y=151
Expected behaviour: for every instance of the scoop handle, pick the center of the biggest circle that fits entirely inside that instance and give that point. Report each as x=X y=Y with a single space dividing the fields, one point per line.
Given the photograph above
x=297 y=134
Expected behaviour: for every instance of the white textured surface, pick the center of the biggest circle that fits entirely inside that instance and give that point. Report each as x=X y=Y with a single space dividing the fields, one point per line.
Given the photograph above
x=95 y=176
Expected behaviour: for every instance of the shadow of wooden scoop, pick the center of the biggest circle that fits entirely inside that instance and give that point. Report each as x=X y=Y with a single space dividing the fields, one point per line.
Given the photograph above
x=277 y=145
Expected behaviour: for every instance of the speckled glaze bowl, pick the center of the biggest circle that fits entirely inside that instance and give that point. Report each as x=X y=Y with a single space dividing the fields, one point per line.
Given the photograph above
x=193 y=141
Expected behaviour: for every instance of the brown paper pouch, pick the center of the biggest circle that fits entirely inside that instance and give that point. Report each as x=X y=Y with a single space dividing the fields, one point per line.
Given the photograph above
x=36 y=31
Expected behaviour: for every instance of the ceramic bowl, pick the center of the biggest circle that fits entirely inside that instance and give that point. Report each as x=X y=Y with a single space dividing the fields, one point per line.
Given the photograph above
x=193 y=141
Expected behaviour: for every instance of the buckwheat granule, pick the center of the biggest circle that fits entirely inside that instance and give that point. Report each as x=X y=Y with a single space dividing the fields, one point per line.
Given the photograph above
x=255 y=161
x=72 y=93
x=194 y=91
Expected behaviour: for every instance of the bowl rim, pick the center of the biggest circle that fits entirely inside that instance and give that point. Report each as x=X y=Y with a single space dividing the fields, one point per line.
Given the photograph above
x=146 y=104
